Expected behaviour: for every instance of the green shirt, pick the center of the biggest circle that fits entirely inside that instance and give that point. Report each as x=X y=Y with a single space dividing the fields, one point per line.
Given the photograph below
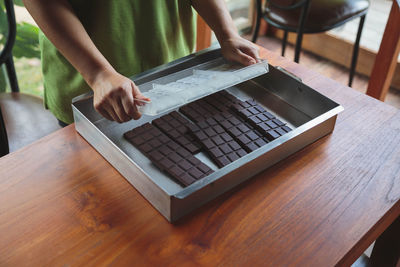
x=134 y=35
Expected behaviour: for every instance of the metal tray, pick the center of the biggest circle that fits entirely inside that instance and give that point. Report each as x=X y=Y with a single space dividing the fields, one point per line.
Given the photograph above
x=310 y=115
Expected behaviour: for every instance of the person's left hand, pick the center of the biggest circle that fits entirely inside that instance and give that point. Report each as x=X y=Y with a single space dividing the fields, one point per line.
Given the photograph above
x=240 y=50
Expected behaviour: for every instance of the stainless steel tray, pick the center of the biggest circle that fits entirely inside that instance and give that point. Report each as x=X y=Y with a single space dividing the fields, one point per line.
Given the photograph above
x=310 y=115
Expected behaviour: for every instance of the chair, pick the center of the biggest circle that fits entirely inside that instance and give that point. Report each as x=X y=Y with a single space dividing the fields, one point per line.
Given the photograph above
x=23 y=118
x=311 y=16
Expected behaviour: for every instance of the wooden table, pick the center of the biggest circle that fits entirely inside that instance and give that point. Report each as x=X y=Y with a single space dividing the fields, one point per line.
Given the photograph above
x=62 y=204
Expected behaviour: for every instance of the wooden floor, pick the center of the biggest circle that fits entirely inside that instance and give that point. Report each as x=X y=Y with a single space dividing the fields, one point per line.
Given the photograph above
x=326 y=68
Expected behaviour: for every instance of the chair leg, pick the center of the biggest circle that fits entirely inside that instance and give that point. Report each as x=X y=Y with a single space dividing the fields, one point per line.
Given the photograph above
x=298 y=47
x=284 y=41
x=4 y=148
x=258 y=21
x=300 y=31
x=12 y=76
x=355 y=50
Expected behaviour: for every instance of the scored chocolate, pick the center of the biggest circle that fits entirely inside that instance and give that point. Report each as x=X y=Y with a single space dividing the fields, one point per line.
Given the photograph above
x=175 y=126
x=226 y=127
x=209 y=106
x=167 y=155
x=262 y=120
x=221 y=100
x=217 y=142
x=245 y=134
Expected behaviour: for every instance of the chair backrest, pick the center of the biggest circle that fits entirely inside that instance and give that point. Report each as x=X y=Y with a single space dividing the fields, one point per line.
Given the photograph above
x=292 y=5
x=4 y=147
x=12 y=31
x=289 y=6
x=6 y=56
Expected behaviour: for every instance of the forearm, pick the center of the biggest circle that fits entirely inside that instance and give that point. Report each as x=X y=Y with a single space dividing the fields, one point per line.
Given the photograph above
x=216 y=15
x=62 y=27
x=233 y=47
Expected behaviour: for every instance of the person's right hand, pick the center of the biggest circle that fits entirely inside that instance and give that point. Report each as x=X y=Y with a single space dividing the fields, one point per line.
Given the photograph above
x=114 y=97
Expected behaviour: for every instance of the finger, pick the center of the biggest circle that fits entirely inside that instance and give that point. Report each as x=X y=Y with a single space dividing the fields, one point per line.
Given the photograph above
x=119 y=109
x=111 y=113
x=129 y=106
x=137 y=94
x=242 y=58
x=251 y=51
x=105 y=114
x=100 y=108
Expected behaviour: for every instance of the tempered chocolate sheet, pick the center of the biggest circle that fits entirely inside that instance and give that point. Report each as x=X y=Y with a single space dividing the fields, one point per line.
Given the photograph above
x=223 y=126
x=261 y=119
x=175 y=126
x=217 y=142
x=246 y=135
x=167 y=155
x=209 y=106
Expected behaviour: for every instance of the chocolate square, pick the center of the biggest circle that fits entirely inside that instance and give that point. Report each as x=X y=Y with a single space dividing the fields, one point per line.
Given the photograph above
x=196 y=173
x=208 y=144
x=185 y=165
x=243 y=139
x=217 y=140
x=272 y=135
x=225 y=149
x=223 y=161
x=280 y=131
x=232 y=156
x=226 y=137
x=286 y=128
x=216 y=152
x=278 y=122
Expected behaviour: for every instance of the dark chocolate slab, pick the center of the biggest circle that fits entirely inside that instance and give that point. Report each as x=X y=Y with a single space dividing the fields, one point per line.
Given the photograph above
x=174 y=126
x=166 y=154
x=198 y=110
x=219 y=146
x=242 y=132
x=209 y=106
x=261 y=119
x=225 y=127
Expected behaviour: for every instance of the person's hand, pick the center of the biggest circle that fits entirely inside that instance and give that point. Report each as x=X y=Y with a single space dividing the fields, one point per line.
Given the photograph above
x=114 y=97
x=240 y=50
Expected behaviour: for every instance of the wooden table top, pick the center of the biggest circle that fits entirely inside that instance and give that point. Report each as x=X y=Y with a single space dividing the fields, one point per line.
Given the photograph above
x=61 y=203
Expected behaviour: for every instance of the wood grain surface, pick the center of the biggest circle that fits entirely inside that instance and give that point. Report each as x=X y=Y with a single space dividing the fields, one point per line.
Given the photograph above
x=62 y=204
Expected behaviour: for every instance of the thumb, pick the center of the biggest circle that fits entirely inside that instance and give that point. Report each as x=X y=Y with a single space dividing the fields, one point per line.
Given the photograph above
x=138 y=95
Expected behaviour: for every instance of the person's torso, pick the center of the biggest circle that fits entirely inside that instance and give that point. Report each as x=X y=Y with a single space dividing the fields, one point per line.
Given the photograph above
x=134 y=35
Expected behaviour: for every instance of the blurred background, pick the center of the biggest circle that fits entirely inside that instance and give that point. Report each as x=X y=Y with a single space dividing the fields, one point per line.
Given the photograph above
x=330 y=59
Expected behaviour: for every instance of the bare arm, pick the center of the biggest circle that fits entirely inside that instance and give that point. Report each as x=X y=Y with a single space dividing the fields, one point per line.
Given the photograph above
x=113 y=93
x=217 y=16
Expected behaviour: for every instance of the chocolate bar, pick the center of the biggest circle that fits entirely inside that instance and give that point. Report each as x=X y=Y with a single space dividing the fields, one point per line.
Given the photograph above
x=262 y=120
x=174 y=125
x=209 y=106
x=221 y=100
x=225 y=127
x=217 y=142
x=167 y=155
x=246 y=135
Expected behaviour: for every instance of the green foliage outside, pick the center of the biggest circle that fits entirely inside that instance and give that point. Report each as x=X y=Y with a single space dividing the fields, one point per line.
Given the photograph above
x=25 y=51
